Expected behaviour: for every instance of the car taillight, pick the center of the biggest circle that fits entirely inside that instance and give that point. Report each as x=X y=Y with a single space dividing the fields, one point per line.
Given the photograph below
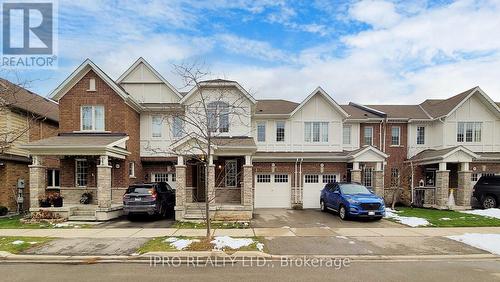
x=126 y=197
x=152 y=193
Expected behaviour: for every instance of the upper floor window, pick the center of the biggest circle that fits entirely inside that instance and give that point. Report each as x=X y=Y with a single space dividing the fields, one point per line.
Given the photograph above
x=368 y=135
x=261 y=132
x=346 y=135
x=91 y=85
x=218 y=117
x=92 y=118
x=395 y=135
x=280 y=131
x=469 y=131
x=177 y=127
x=316 y=131
x=420 y=135
x=156 y=122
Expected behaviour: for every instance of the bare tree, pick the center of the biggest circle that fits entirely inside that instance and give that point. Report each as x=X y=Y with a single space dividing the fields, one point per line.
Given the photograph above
x=205 y=120
x=400 y=178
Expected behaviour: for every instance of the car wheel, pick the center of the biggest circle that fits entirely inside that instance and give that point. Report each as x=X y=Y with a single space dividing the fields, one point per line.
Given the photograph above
x=342 y=213
x=322 y=205
x=489 y=202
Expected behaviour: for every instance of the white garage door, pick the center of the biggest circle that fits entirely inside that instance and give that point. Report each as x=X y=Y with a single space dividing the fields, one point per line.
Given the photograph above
x=313 y=184
x=164 y=177
x=272 y=191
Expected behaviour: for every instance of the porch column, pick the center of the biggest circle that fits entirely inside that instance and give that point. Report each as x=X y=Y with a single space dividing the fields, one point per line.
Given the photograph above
x=442 y=186
x=103 y=183
x=355 y=172
x=378 y=180
x=211 y=181
x=180 y=189
x=464 y=191
x=247 y=189
x=38 y=182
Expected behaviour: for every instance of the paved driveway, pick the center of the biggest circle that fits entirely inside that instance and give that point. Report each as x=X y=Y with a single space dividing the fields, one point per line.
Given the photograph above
x=311 y=218
x=138 y=221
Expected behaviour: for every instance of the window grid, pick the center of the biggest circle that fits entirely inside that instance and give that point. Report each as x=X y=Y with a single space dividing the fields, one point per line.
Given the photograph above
x=218 y=116
x=261 y=132
x=81 y=173
x=311 y=178
x=263 y=178
x=280 y=131
x=367 y=176
x=368 y=135
x=329 y=178
x=316 y=132
x=469 y=131
x=474 y=177
x=92 y=118
x=395 y=135
x=420 y=135
x=160 y=177
x=231 y=173
x=395 y=177
x=346 y=135
x=281 y=178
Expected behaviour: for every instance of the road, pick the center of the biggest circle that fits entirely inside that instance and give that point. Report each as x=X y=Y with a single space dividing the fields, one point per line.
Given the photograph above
x=484 y=270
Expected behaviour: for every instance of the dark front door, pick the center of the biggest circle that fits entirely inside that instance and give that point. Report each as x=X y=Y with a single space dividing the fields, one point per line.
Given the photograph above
x=200 y=182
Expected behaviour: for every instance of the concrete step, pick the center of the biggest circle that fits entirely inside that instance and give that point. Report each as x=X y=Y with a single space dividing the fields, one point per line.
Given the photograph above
x=82 y=218
x=84 y=213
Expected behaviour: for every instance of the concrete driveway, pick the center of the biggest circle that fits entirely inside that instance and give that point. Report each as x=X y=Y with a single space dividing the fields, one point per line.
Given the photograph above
x=138 y=221
x=311 y=218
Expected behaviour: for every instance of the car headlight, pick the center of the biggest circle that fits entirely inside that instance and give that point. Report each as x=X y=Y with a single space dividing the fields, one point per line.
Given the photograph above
x=352 y=201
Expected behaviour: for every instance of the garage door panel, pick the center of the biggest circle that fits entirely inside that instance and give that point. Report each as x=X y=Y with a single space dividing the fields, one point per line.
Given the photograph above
x=312 y=186
x=272 y=191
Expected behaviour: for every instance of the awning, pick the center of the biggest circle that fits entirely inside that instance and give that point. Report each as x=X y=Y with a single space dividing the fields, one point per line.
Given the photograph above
x=454 y=154
x=112 y=145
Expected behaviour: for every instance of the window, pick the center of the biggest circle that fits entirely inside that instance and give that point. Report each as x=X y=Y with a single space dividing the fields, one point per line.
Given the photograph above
x=367 y=176
x=281 y=178
x=316 y=131
x=394 y=177
x=311 y=178
x=469 y=131
x=368 y=136
x=177 y=127
x=420 y=135
x=159 y=177
x=430 y=178
x=329 y=178
x=218 y=117
x=81 y=173
x=263 y=178
x=53 y=179
x=173 y=177
x=156 y=126
x=261 y=132
x=395 y=135
x=346 y=135
x=131 y=169
x=474 y=177
x=91 y=84
x=92 y=118
x=280 y=131
x=231 y=173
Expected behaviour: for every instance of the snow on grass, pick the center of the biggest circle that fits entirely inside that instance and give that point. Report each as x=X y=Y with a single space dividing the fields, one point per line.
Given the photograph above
x=494 y=213
x=18 y=242
x=406 y=220
x=223 y=242
x=445 y=218
x=180 y=244
x=487 y=242
x=260 y=247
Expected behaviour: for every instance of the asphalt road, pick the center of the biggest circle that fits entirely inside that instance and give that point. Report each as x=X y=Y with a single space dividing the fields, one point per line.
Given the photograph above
x=357 y=271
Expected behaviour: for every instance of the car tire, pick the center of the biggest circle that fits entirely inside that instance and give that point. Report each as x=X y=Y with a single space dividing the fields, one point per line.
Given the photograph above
x=322 y=206
x=489 y=202
x=343 y=213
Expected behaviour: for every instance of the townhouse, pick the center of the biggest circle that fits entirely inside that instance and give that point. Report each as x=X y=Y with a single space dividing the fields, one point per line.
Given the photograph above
x=24 y=117
x=277 y=155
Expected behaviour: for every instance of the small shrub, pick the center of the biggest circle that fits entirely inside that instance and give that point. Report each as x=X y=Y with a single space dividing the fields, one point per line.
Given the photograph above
x=3 y=210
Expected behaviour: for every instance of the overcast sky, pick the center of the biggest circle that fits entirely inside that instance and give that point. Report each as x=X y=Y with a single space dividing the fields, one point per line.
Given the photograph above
x=363 y=51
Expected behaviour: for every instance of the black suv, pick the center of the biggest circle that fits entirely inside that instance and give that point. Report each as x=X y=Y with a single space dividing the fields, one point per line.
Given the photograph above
x=487 y=191
x=150 y=198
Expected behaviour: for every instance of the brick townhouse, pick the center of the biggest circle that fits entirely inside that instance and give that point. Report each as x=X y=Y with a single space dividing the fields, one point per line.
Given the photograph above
x=24 y=117
x=117 y=132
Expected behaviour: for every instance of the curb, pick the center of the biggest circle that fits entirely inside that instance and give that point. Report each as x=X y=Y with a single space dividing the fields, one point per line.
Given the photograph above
x=221 y=257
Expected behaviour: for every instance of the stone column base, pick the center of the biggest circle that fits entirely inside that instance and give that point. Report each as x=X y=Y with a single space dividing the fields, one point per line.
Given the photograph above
x=442 y=187
x=37 y=184
x=247 y=189
x=356 y=175
x=464 y=192
x=378 y=185
x=104 y=197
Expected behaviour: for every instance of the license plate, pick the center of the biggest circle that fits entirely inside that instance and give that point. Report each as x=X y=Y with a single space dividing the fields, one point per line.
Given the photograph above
x=137 y=199
x=371 y=213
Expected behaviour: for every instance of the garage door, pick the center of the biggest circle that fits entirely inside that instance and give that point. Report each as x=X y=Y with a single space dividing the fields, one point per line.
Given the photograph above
x=164 y=177
x=272 y=191
x=313 y=184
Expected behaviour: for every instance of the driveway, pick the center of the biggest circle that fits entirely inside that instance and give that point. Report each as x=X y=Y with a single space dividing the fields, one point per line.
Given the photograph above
x=138 y=221
x=311 y=218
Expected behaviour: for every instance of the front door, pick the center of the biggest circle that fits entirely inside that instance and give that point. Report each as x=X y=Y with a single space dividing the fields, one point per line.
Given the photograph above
x=200 y=182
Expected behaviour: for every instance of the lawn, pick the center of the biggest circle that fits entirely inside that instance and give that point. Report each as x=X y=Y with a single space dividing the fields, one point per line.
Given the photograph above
x=15 y=223
x=213 y=225
x=16 y=245
x=198 y=244
x=445 y=218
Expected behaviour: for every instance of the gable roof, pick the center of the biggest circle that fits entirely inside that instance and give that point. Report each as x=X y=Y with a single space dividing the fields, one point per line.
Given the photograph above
x=440 y=154
x=401 y=111
x=275 y=107
x=218 y=82
x=83 y=69
x=359 y=113
x=18 y=97
x=141 y=60
x=322 y=92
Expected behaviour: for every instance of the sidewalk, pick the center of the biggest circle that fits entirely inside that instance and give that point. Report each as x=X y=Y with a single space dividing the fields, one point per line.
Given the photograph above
x=250 y=232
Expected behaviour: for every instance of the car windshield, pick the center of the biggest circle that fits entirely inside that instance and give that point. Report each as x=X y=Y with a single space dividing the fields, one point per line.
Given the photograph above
x=139 y=190
x=354 y=189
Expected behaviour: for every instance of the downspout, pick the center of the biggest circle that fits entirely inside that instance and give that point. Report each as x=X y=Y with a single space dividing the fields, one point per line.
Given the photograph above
x=300 y=180
x=412 y=182
x=380 y=135
x=295 y=181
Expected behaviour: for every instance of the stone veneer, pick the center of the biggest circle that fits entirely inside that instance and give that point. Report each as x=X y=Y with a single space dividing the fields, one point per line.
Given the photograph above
x=378 y=187
x=104 y=186
x=442 y=188
x=464 y=191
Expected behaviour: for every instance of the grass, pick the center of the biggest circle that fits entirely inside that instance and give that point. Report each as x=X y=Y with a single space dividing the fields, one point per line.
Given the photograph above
x=6 y=243
x=213 y=225
x=158 y=245
x=14 y=222
x=456 y=219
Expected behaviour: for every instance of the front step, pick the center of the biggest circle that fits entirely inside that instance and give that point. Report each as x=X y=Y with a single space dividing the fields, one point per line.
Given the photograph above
x=83 y=213
x=82 y=218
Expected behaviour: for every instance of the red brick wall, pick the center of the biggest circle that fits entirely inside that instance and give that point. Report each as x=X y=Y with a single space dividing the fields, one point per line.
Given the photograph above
x=485 y=167
x=119 y=118
x=376 y=133
x=10 y=172
x=397 y=154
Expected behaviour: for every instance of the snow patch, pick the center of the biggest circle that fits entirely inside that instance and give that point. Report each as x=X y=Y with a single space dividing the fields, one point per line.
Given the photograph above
x=406 y=220
x=341 y=237
x=18 y=242
x=260 y=247
x=180 y=244
x=445 y=218
x=494 y=213
x=487 y=242
x=222 y=242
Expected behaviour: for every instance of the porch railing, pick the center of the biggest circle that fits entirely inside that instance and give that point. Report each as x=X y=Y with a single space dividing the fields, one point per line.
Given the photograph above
x=424 y=196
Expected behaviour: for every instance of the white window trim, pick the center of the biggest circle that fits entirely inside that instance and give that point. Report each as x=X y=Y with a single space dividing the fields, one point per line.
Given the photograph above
x=235 y=174
x=153 y=125
x=93 y=118
x=53 y=170
x=76 y=172
x=416 y=134
x=364 y=136
x=131 y=165
x=92 y=85
x=473 y=132
x=399 y=136
x=311 y=138
x=350 y=134
x=261 y=123
x=276 y=131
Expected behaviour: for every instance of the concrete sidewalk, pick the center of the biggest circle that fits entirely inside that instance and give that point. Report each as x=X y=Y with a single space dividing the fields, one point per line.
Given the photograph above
x=250 y=232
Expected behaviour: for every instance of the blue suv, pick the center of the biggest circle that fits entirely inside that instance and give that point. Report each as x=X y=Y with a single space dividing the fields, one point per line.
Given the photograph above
x=351 y=200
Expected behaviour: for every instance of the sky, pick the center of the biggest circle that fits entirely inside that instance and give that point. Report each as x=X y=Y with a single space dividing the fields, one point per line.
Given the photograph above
x=369 y=51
